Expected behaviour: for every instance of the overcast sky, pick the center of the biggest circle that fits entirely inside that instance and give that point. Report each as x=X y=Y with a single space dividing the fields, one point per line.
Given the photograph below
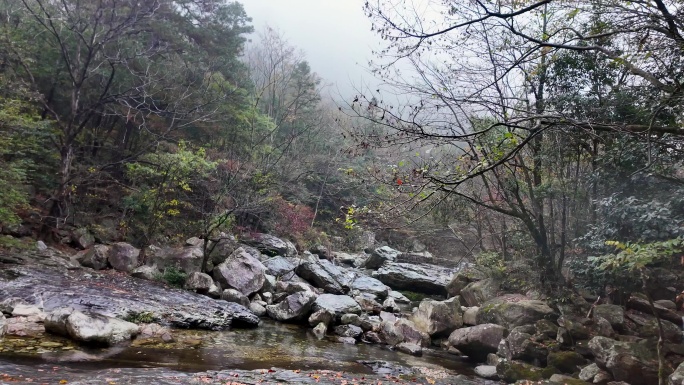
x=335 y=35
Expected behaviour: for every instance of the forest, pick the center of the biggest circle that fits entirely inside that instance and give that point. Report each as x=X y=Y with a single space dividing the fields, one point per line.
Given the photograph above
x=541 y=140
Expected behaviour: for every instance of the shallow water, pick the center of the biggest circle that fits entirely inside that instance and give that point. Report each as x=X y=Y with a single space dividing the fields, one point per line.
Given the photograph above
x=270 y=345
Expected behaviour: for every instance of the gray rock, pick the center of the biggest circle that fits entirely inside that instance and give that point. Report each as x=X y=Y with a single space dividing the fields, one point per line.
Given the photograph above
x=257 y=309
x=369 y=285
x=478 y=341
x=23 y=310
x=147 y=272
x=354 y=260
x=390 y=306
x=520 y=345
x=281 y=267
x=321 y=316
x=338 y=305
x=410 y=348
x=438 y=318
x=381 y=255
x=91 y=327
x=323 y=274
x=470 y=316
x=635 y=362
x=95 y=258
x=646 y=326
x=677 y=378
x=188 y=259
x=348 y=331
x=402 y=330
x=589 y=373
x=514 y=310
x=566 y=361
x=666 y=303
x=291 y=287
x=457 y=283
x=3 y=325
x=271 y=245
x=371 y=337
x=270 y=283
x=476 y=293
x=399 y=298
x=235 y=296
x=320 y=330
x=194 y=241
x=123 y=257
x=199 y=282
x=350 y=319
x=242 y=272
x=368 y=304
x=56 y=320
x=612 y=313
x=346 y=340
x=487 y=372
x=422 y=278
x=82 y=238
x=294 y=307
x=41 y=246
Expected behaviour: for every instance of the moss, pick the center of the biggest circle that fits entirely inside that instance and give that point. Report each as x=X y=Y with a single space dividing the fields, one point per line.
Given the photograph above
x=144 y=317
x=413 y=296
x=566 y=361
x=516 y=371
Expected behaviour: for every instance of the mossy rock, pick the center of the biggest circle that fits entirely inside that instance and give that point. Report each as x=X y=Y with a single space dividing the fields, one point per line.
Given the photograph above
x=512 y=371
x=566 y=361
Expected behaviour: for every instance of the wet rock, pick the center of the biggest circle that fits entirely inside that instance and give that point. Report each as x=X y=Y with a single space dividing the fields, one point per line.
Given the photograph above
x=470 y=315
x=323 y=274
x=421 y=278
x=235 y=296
x=117 y=295
x=476 y=293
x=281 y=267
x=402 y=330
x=320 y=330
x=438 y=318
x=371 y=337
x=381 y=255
x=410 y=348
x=348 y=331
x=147 y=272
x=346 y=340
x=95 y=257
x=25 y=326
x=478 y=341
x=199 y=282
x=338 y=305
x=123 y=257
x=634 y=362
x=294 y=307
x=487 y=372
x=56 y=320
x=3 y=325
x=271 y=245
x=321 y=316
x=156 y=331
x=96 y=328
x=372 y=286
x=241 y=271
x=514 y=310
x=612 y=313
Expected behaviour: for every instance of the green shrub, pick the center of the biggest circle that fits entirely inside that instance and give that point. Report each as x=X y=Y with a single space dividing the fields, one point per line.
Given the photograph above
x=174 y=276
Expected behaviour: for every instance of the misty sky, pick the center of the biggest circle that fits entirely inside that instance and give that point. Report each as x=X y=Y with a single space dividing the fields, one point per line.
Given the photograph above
x=335 y=35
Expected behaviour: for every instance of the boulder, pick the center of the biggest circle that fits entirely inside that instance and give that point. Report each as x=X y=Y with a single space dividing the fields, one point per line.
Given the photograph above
x=399 y=298
x=23 y=310
x=590 y=372
x=470 y=315
x=646 y=326
x=242 y=272
x=223 y=248
x=520 y=344
x=321 y=316
x=402 y=330
x=353 y=260
x=199 y=282
x=271 y=245
x=438 y=318
x=293 y=308
x=487 y=372
x=348 y=331
x=258 y=309
x=390 y=306
x=642 y=305
x=634 y=362
x=410 y=348
x=82 y=238
x=612 y=313
x=323 y=274
x=90 y=327
x=146 y=272
x=291 y=287
x=123 y=257
x=512 y=371
x=457 y=283
x=235 y=296
x=95 y=258
x=513 y=310
x=677 y=378
x=155 y=331
x=421 y=278
x=3 y=325
x=350 y=319
x=476 y=293
x=338 y=305
x=281 y=267
x=566 y=361
x=187 y=259
x=372 y=286
x=320 y=330
x=381 y=255
x=478 y=341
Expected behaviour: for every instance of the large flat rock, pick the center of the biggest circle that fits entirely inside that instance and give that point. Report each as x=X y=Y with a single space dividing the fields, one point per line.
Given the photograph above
x=422 y=277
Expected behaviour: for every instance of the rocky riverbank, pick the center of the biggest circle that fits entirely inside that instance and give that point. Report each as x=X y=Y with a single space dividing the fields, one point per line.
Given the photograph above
x=102 y=295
